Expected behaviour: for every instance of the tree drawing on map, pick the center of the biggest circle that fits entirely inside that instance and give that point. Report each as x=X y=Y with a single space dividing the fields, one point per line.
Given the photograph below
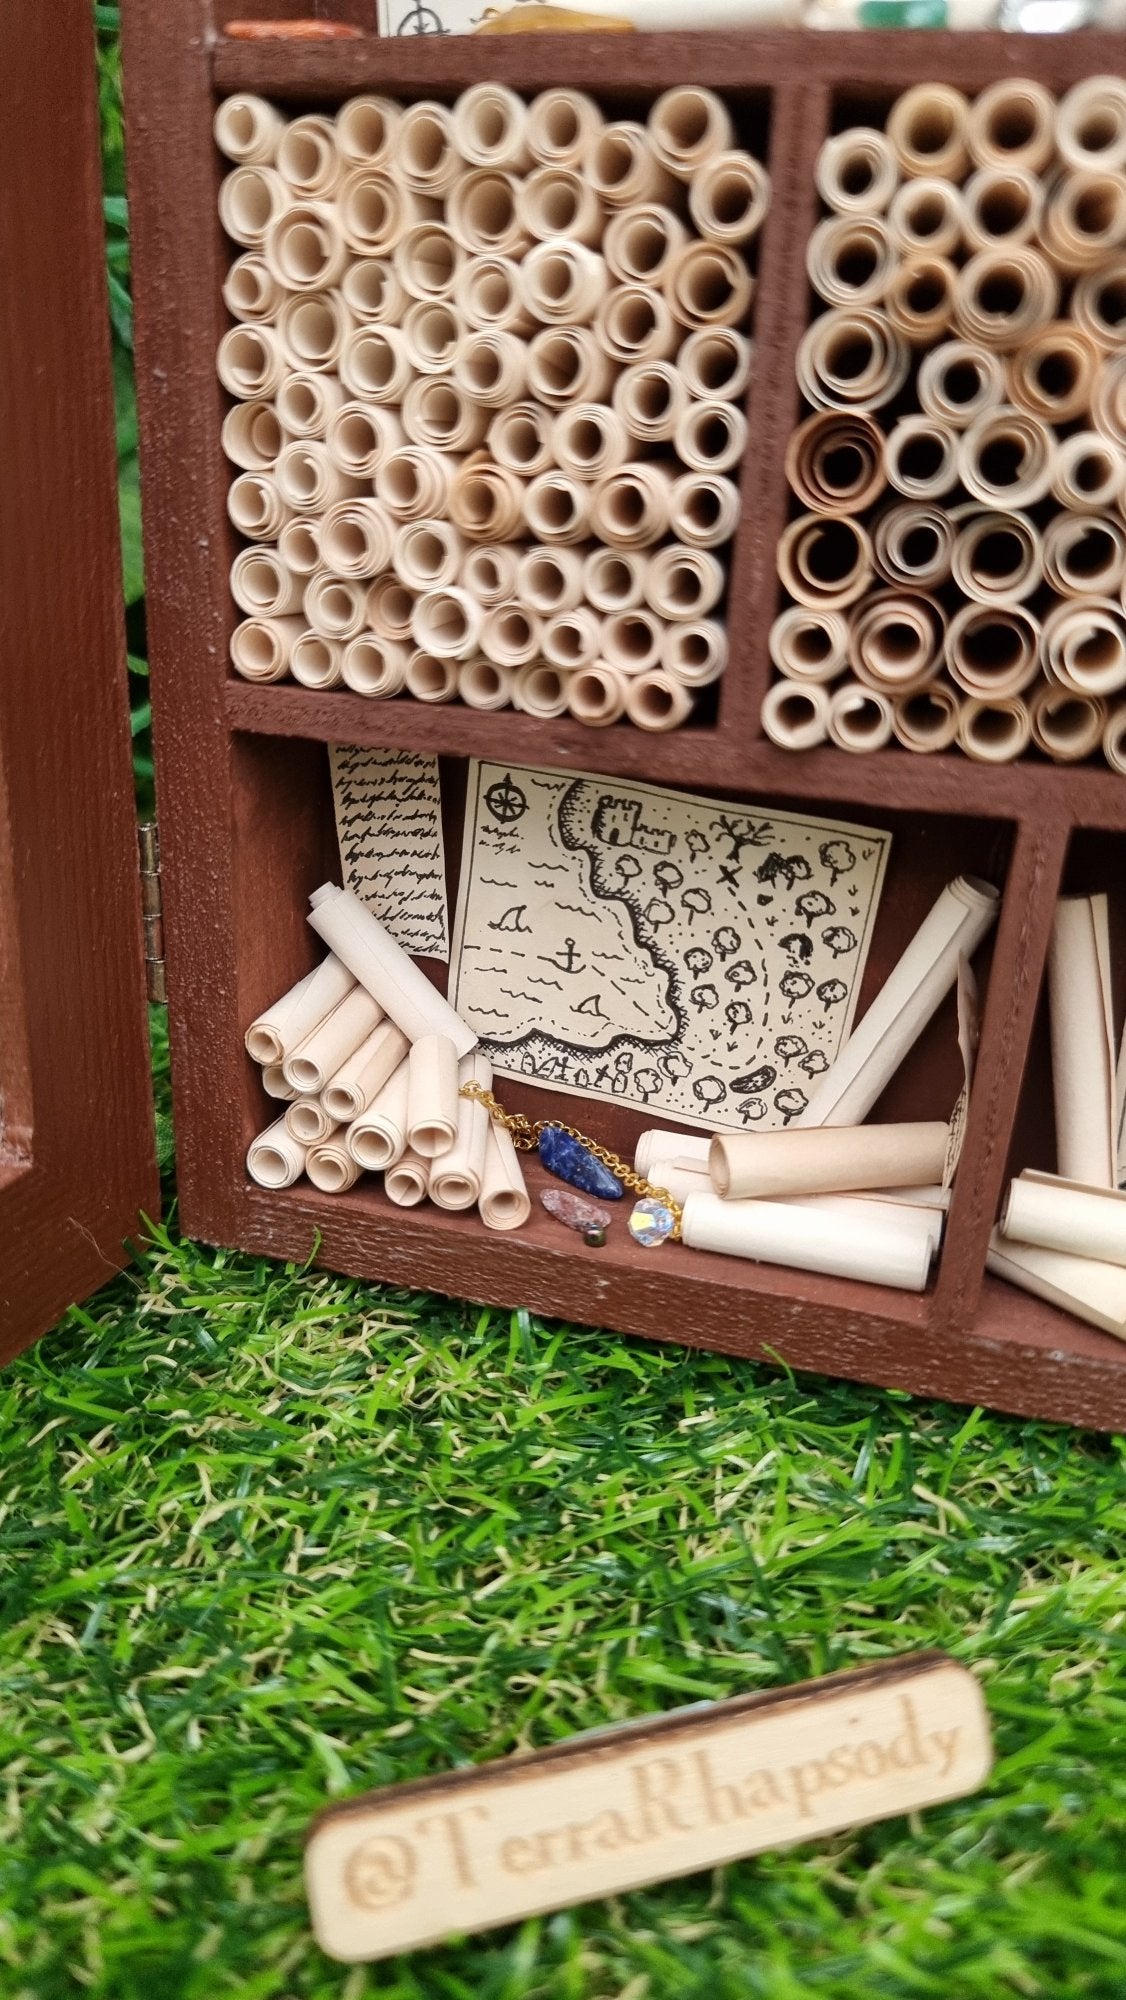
x=685 y=955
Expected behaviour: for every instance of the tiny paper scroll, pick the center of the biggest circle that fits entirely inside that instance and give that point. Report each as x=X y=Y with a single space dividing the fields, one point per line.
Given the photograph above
x=389 y=824
x=619 y=1808
x=1082 y=1024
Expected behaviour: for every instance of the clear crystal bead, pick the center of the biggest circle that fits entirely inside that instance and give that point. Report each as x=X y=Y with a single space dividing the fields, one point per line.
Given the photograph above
x=651 y=1223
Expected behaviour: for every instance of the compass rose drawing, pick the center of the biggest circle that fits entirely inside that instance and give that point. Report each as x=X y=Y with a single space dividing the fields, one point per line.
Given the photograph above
x=506 y=801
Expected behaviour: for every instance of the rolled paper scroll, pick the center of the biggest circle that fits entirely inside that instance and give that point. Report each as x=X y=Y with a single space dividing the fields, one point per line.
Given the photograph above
x=358 y=1082
x=316 y=662
x=299 y=545
x=503 y=1203
x=1006 y=458
x=540 y=690
x=632 y=323
x=330 y=1166
x=995 y=731
x=446 y=623
x=852 y=358
x=633 y=641
x=549 y=580
x=688 y=127
x=1090 y=1291
x=674 y=1178
x=247 y=130
x=490 y=127
x=927 y=129
x=711 y=437
x=1053 y=374
x=1082 y=1024
x=572 y=638
x=250 y=202
x=684 y=584
x=689 y=1149
x=389 y=607
x=596 y=695
x=650 y=397
x=283 y=1027
x=919 y=301
x=851 y=259
x=760 y=1164
x=708 y=284
x=1066 y=727
x=729 y=197
x=1003 y=296
x=487 y=294
x=406 y=1181
x=808 y=645
x=859 y=718
x=1089 y=473
x=308 y=480
x=704 y=510
x=826 y=564
x=482 y=684
x=374 y=667
x=314 y=329
x=993 y=650
x=486 y=501
x=520 y=439
x=1114 y=740
x=835 y=462
x=630 y=507
x=657 y=702
x=276 y=1159
x=251 y=362
x=590 y=440
x=308 y=158
x=427 y=555
x=1084 y=646
x=565 y=364
x=696 y=654
x=796 y=718
x=250 y=290
x=562 y=127
x=305 y=248
x=375 y=364
x=913 y=544
x=715 y=361
x=1108 y=399
x=432 y=1096
x=776 y=1232
x=1085 y=220
x=510 y=635
x=434 y=331
x=1012 y=123
x=378 y=1137
x=359 y=438
x=927 y=214
x=489 y=572
x=1058 y=1214
x=372 y=291
x=357 y=537
x=895 y=645
x=614 y=579
x=624 y=169
x=429 y=679
x=306 y=403
x=311 y=1066
x=927 y=721
x=437 y=413
x=857 y=171
x=425 y=154
x=275 y=1085
x=555 y=202
x=1003 y=205
x=262 y=586
x=910 y=995
x=413 y=483
x=456 y=1178
x=1091 y=124
x=252 y=436
x=562 y=282
x=366 y=128
x=558 y=508
x=262 y=648
x=998 y=557
x=921 y=458
x=961 y=381
x=384 y=969
x=335 y=606
x=490 y=365
x=487 y=214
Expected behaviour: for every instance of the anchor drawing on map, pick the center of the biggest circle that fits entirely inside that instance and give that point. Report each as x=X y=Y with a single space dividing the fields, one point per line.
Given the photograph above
x=568 y=961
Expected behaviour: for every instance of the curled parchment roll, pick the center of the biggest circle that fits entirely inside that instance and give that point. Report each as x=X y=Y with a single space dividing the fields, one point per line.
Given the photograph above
x=1006 y=458
x=704 y=510
x=425 y=154
x=438 y=413
x=632 y=641
x=695 y=654
x=572 y=639
x=429 y=679
x=375 y=365
x=558 y=508
x=306 y=404
x=913 y=544
x=919 y=301
x=825 y=562
x=927 y=214
x=716 y=361
x=262 y=586
x=1012 y=123
x=250 y=290
x=488 y=214
x=683 y=584
x=708 y=284
x=960 y=381
x=359 y=1081
x=446 y=623
x=427 y=555
x=335 y=606
x=330 y=1166
x=482 y=683
x=378 y=1137
x=596 y=694
x=852 y=358
x=634 y=323
x=624 y=169
x=486 y=501
x=487 y=293
x=299 y=545
x=503 y=1203
x=1004 y=296
x=365 y=129
x=376 y=211
x=276 y=1159
x=857 y=172
x=262 y=648
x=1091 y=126
x=316 y=662
x=927 y=721
x=548 y=580
x=372 y=291
x=927 y=129
x=1082 y=1026
x=1085 y=220
x=1084 y=646
x=305 y=247
x=993 y=650
x=729 y=197
x=489 y=573
x=1066 y=727
x=413 y=482
x=1080 y=1286
x=557 y=202
x=850 y=260
x=833 y=1159
x=1053 y=374
x=859 y=718
x=374 y=667
x=432 y=1096
x=490 y=127
x=1114 y=740
x=1003 y=206
x=998 y=557
x=711 y=436
x=996 y=730
x=657 y=702
x=247 y=130
x=689 y=126
x=540 y=690
x=630 y=506
x=1108 y=399
x=283 y=1027
x=361 y=436
x=384 y=969
x=689 y=1149
x=921 y=458
x=315 y=1061
x=562 y=282
x=252 y=436
x=456 y=1177
x=1089 y=473
x=308 y=480
x=491 y=366
x=565 y=364
x=435 y=333
x=589 y=440
x=562 y=127
x=308 y=157
x=641 y=242
x=357 y=538
x=650 y=397
x=895 y=644
x=613 y=579
x=407 y=1180
x=776 y=1232
x=256 y=508
x=251 y=362
x=796 y=718
x=250 y=202
x=275 y=1085
x=808 y=645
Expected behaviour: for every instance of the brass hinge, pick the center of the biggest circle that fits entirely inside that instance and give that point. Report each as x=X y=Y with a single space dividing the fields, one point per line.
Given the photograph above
x=152 y=912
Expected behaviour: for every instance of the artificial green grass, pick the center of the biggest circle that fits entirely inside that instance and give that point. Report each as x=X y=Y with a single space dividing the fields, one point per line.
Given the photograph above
x=269 y=1538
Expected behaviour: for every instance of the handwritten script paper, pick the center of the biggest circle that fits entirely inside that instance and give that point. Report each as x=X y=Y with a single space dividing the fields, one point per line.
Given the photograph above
x=389 y=824
x=681 y=954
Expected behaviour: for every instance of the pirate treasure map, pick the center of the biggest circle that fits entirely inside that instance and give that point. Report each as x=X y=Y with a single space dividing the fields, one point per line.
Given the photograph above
x=687 y=956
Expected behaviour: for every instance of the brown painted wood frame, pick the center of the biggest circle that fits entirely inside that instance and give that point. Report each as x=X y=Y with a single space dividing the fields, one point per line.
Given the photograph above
x=246 y=823
x=77 y=1162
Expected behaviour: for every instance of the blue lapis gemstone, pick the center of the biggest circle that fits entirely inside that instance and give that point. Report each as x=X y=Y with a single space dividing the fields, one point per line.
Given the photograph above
x=570 y=1162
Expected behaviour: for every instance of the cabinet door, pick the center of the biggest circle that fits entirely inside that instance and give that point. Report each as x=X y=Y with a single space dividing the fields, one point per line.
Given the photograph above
x=77 y=1162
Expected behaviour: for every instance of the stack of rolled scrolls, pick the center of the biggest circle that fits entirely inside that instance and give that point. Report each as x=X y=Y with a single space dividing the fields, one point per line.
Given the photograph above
x=955 y=572
x=488 y=371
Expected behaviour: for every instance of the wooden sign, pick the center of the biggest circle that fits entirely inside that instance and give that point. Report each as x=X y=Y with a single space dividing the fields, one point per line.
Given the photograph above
x=618 y=1808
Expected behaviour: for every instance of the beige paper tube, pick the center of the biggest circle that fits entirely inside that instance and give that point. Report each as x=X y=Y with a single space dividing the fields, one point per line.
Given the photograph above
x=1095 y=1293
x=657 y=702
x=566 y=364
x=487 y=293
x=650 y=397
x=299 y=545
x=921 y=458
x=405 y=1182
x=1084 y=646
x=708 y=284
x=729 y=197
x=809 y=645
x=590 y=440
x=919 y=302
x=250 y=202
x=491 y=367
x=432 y=1096
x=632 y=641
x=834 y=1159
x=434 y=331
x=482 y=684
x=1003 y=206
x=859 y=719
x=631 y=505
x=674 y=1178
x=796 y=718
x=1108 y=398
x=993 y=650
x=413 y=483
x=316 y=662
x=695 y=654
x=562 y=282
x=389 y=607
x=315 y=1061
x=960 y=382
x=262 y=648
x=283 y=1027
x=375 y=365
x=1089 y=473
x=852 y=359
x=250 y=290
x=927 y=214
x=775 y=1232
x=437 y=413
x=548 y=581
x=557 y=508
x=399 y=986
x=716 y=361
x=687 y=128
x=490 y=127
x=1091 y=127
x=361 y=437
x=427 y=555
x=684 y=1149
x=682 y=583
x=704 y=510
x=446 y=623
x=1114 y=740
x=632 y=324
x=330 y=1166
x=425 y=154
x=711 y=437
x=276 y=1159
x=1004 y=296
x=995 y=731
x=896 y=641
x=261 y=585
x=256 y=508
x=596 y=695
x=913 y=544
x=851 y=260
x=252 y=436
x=456 y=1178
x=1053 y=374
x=927 y=721
x=308 y=158
x=357 y=537
x=1085 y=220
x=540 y=690
x=429 y=679
x=305 y=248
x=572 y=638
x=306 y=403
x=486 y=501
x=1082 y=1024
x=825 y=563
x=378 y=1137
x=562 y=127
x=555 y=202
x=857 y=172
x=487 y=216
x=365 y=129
x=1066 y=727
x=313 y=329
x=427 y=259
x=909 y=996
x=614 y=579
x=307 y=1121
x=374 y=667
x=489 y=573
x=927 y=129
x=835 y=462
x=998 y=557
x=624 y=169
x=251 y=362
x=1012 y=123
x=1006 y=458
x=520 y=439
x=275 y=1085
x=308 y=480
x=335 y=606
x=371 y=290
x=503 y=1202
x=247 y=130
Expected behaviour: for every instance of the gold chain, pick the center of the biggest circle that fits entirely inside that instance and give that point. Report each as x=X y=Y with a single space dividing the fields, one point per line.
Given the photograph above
x=525 y=1137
